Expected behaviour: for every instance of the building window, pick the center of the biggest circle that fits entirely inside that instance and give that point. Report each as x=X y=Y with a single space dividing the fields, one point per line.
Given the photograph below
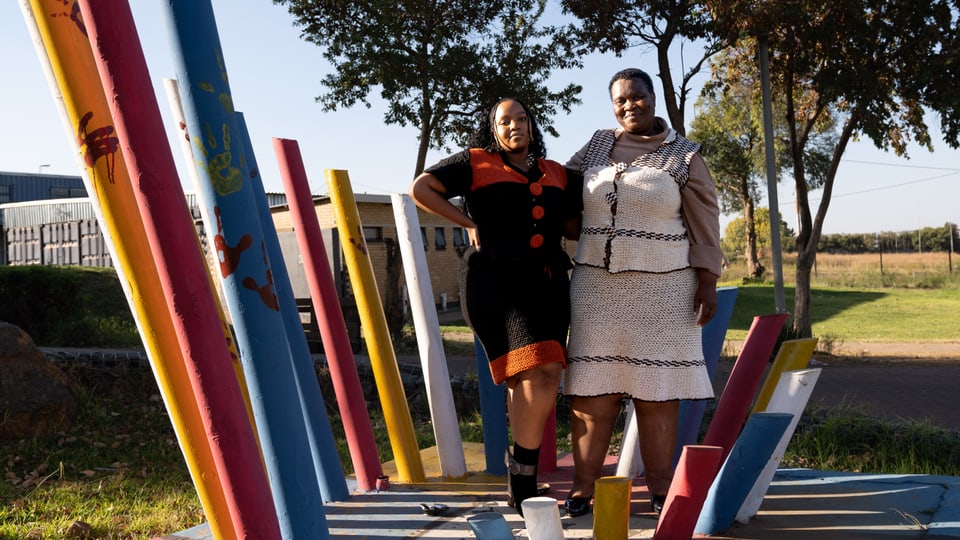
x=6 y=193
x=373 y=234
x=440 y=240
x=423 y=236
x=459 y=237
x=67 y=192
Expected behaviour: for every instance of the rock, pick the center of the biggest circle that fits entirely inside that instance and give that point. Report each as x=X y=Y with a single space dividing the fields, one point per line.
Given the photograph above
x=79 y=530
x=35 y=395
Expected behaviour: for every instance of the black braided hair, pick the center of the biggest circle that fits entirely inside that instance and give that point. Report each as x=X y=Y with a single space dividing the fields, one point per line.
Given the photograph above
x=485 y=137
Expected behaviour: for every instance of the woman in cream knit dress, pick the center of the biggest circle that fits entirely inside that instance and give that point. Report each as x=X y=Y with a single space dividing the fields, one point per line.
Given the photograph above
x=644 y=283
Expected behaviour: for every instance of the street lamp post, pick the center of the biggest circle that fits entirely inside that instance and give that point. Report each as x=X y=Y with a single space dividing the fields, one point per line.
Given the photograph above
x=41 y=167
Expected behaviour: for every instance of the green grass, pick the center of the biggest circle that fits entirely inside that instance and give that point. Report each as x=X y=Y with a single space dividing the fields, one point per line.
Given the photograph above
x=873 y=315
x=117 y=468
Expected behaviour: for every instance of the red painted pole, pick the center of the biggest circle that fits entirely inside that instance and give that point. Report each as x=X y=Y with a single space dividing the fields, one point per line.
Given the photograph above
x=333 y=330
x=696 y=469
x=743 y=382
x=182 y=270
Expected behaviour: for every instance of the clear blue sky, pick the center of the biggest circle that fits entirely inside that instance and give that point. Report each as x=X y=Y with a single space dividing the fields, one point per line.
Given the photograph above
x=275 y=76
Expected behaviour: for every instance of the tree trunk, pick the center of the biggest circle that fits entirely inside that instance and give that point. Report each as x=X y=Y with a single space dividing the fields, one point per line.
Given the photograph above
x=754 y=268
x=802 y=325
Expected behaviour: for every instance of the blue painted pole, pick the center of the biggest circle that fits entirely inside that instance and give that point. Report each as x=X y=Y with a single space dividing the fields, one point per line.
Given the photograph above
x=740 y=471
x=323 y=445
x=712 y=337
x=244 y=268
x=493 y=411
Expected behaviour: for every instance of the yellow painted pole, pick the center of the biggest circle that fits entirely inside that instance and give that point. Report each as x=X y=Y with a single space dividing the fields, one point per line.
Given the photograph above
x=383 y=359
x=794 y=354
x=87 y=115
x=611 y=507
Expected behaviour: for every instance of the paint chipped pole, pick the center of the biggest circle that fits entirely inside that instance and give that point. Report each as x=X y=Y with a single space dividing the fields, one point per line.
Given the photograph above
x=71 y=71
x=734 y=403
x=790 y=396
x=433 y=360
x=740 y=470
x=245 y=270
x=183 y=273
x=333 y=330
x=383 y=359
x=323 y=445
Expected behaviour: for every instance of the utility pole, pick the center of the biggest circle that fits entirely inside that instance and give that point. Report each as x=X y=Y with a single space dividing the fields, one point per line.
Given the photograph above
x=950 y=252
x=771 y=167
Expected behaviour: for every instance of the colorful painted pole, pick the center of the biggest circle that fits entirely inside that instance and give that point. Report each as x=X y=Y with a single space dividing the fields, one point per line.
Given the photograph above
x=712 y=336
x=65 y=53
x=696 y=470
x=323 y=445
x=433 y=361
x=182 y=271
x=333 y=330
x=383 y=359
x=541 y=515
x=740 y=470
x=172 y=90
x=743 y=381
x=493 y=411
x=611 y=507
x=790 y=396
x=245 y=269
x=794 y=354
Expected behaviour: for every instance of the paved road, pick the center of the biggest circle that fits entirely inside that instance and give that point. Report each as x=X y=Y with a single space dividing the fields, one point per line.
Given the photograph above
x=888 y=383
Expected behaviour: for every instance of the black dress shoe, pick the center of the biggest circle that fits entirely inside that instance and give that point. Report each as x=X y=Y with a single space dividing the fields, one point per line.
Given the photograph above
x=657 y=502
x=577 y=506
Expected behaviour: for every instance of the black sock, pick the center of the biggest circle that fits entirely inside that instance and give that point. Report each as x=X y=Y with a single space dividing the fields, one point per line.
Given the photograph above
x=526 y=456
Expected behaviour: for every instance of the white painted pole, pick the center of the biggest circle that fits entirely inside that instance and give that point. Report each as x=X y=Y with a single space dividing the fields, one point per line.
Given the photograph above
x=630 y=463
x=433 y=361
x=790 y=396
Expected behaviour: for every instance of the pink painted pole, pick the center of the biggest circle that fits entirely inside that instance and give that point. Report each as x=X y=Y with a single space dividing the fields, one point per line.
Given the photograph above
x=333 y=330
x=696 y=469
x=180 y=265
x=743 y=381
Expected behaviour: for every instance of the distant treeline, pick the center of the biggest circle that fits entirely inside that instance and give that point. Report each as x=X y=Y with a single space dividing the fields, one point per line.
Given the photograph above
x=923 y=240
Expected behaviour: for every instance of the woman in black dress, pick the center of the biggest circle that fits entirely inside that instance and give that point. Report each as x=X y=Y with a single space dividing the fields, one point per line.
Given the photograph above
x=519 y=206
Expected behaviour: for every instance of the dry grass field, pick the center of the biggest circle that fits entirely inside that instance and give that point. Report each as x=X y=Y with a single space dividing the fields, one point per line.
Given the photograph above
x=908 y=270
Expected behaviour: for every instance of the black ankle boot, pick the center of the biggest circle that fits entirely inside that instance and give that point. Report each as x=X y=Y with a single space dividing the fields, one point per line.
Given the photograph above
x=521 y=483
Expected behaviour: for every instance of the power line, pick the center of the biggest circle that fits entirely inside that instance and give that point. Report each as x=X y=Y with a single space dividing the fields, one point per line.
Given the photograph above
x=900 y=165
x=891 y=186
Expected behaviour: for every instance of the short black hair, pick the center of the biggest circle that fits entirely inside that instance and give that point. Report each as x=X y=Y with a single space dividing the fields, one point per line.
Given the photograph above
x=632 y=73
x=486 y=138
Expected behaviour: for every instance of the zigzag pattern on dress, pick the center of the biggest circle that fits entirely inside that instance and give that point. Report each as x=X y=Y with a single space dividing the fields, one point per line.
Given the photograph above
x=610 y=231
x=650 y=362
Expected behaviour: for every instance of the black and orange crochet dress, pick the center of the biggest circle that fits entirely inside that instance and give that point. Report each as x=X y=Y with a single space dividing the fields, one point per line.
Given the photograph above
x=515 y=290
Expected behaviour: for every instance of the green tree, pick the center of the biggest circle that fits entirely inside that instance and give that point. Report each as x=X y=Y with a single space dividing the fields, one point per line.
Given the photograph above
x=735 y=239
x=437 y=64
x=729 y=124
x=618 y=25
x=732 y=139
x=877 y=64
